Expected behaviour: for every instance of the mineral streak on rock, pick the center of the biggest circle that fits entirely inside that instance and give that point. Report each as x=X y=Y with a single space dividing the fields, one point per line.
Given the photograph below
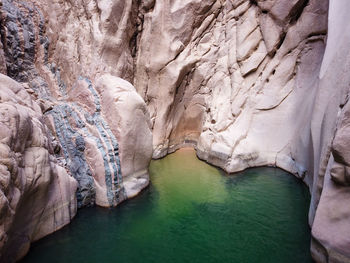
x=73 y=146
x=99 y=147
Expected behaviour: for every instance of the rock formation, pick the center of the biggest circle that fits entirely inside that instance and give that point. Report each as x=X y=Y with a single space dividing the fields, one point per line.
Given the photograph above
x=330 y=214
x=37 y=195
x=89 y=130
x=247 y=83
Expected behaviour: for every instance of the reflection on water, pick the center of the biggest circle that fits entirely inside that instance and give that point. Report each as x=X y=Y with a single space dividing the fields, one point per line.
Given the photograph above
x=192 y=213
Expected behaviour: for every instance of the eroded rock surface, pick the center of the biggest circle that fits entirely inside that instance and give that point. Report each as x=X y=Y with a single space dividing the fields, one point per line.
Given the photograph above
x=61 y=50
x=37 y=195
x=67 y=56
x=247 y=83
x=242 y=82
x=213 y=73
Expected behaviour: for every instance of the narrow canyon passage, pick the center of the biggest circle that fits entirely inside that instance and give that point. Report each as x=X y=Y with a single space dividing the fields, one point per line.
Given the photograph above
x=192 y=212
x=92 y=90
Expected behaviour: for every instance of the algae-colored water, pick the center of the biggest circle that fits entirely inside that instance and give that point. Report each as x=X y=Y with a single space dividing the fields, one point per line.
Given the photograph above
x=192 y=213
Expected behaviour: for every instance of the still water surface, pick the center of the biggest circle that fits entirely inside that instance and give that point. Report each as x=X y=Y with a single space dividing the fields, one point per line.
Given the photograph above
x=191 y=213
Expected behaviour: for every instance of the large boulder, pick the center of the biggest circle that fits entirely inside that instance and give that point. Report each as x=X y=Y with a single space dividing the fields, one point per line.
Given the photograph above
x=104 y=132
x=129 y=120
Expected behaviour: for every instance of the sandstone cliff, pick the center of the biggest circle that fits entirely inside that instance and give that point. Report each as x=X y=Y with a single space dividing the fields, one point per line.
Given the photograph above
x=247 y=83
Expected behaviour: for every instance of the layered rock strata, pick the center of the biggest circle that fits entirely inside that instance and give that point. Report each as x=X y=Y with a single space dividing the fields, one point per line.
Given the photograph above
x=67 y=61
x=67 y=56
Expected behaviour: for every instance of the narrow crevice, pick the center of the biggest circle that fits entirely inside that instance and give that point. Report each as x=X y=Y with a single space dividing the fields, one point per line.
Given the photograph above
x=297 y=11
x=253 y=2
x=282 y=38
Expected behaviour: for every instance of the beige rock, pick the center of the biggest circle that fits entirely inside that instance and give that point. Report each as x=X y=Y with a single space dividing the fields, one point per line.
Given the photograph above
x=253 y=62
x=284 y=9
x=266 y=5
x=271 y=32
x=112 y=124
x=249 y=44
x=235 y=84
x=330 y=228
x=129 y=120
x=245 y=82
x=37 y=195
x=341 y=143
x=340 y=174
x=73 y=45
x=254 y=109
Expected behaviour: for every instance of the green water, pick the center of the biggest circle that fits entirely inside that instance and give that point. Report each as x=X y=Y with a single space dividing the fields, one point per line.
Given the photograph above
x=191 y=213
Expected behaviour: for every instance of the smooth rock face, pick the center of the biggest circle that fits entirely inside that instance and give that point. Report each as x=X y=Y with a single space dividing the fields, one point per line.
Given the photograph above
x=248 y=83
x=129 y=120
x=331 y=225
x=37 y=194
x=219 y=69
x=242 y=81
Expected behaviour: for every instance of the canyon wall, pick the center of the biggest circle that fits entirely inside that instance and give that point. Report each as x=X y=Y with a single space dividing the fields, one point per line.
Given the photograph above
x=247 y=83
x=88 y=139
x=330 y=214
x=213 y=72
x=70 y=55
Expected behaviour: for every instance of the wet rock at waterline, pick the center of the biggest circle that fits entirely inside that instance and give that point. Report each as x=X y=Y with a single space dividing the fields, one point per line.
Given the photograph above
x=45 y=178
x=192 y=212
x=248 y=83
x=84 y=159
x=106 y=151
